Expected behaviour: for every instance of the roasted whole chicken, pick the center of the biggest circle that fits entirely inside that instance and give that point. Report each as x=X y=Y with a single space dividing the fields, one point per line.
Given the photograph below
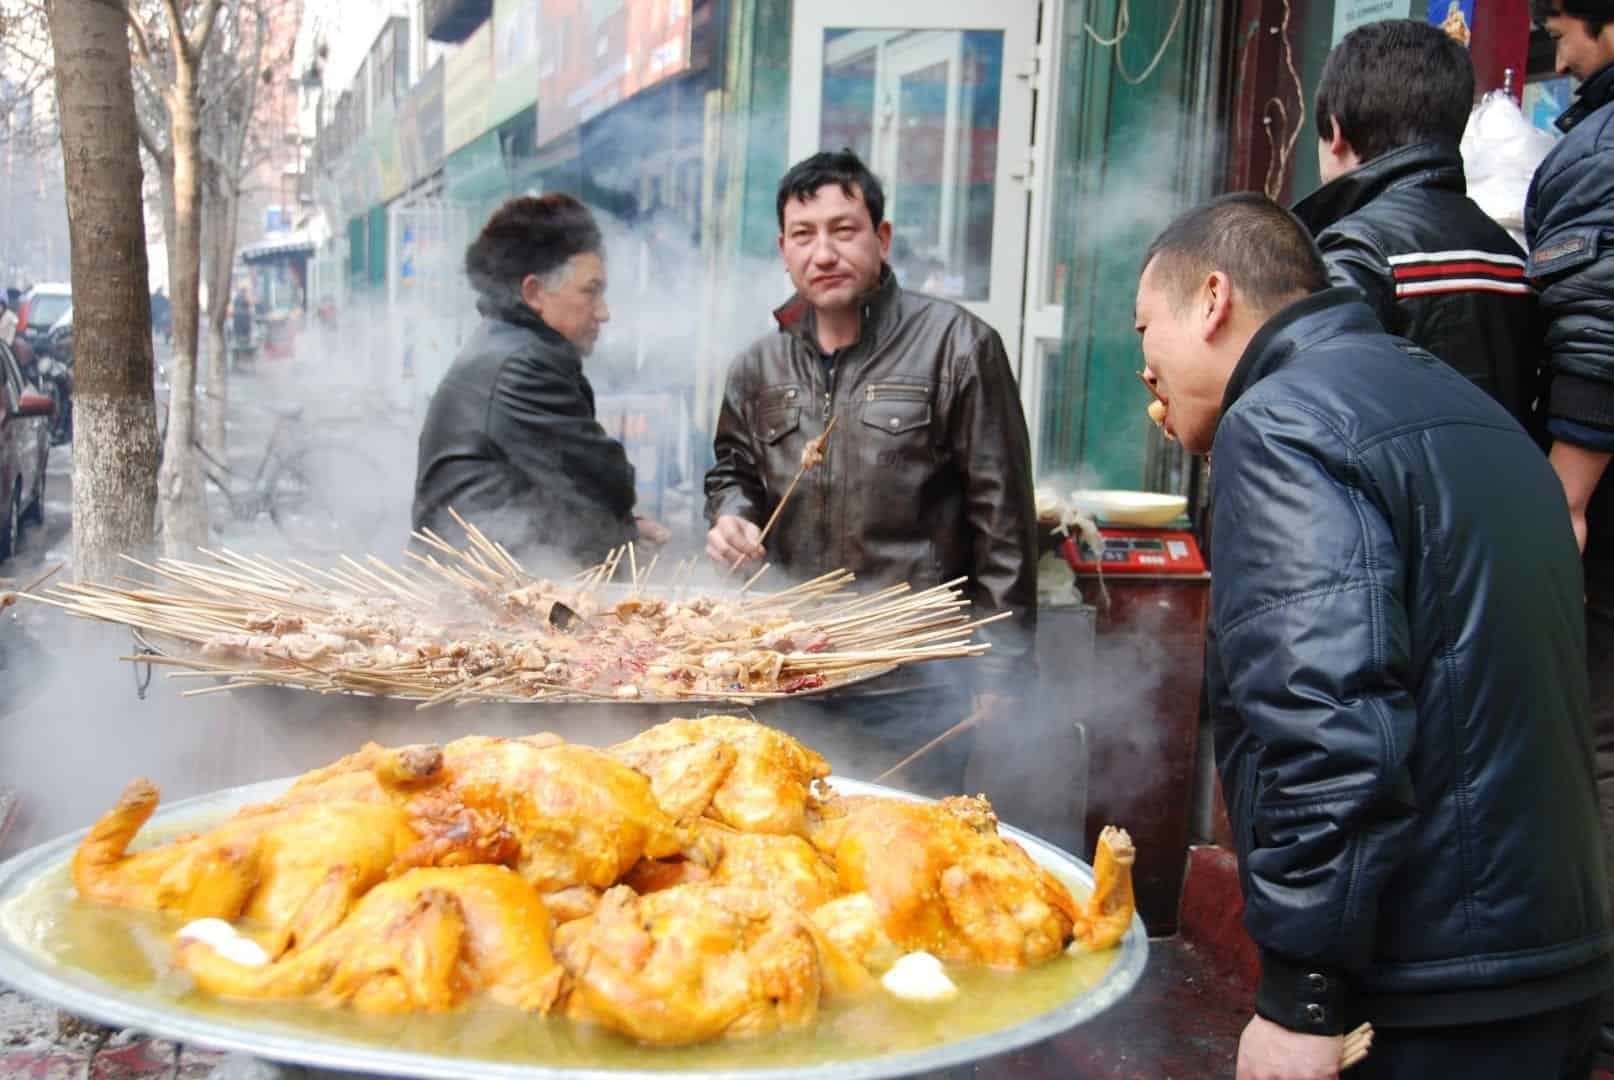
x=422 y=942
x=295 y=870
x=699 y=961
x=701 y=881
x=939 y=877
x=730 y=769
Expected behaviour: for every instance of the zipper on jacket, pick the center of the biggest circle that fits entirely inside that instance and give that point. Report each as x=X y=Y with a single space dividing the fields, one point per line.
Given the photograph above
x=896 y=392
x=824 y=466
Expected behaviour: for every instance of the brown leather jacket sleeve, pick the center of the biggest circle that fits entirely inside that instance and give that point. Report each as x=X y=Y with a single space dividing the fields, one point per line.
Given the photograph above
x=988 y=431
x=734 y=483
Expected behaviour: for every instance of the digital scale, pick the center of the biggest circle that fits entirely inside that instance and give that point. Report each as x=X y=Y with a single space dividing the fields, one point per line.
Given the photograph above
x=1132 y=550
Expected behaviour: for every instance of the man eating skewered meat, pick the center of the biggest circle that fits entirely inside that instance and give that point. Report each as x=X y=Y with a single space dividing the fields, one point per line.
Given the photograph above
x=927 y=476
x=1396 y=673
x=510 y=440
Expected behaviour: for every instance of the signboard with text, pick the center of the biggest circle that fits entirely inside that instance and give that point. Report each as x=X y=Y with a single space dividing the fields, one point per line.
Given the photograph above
x=1349 y=14
x=593 y=54
x=466 y=103
x=515 y=57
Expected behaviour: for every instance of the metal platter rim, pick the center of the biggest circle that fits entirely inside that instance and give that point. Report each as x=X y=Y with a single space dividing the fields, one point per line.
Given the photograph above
x=34 y=975
x=147 y=640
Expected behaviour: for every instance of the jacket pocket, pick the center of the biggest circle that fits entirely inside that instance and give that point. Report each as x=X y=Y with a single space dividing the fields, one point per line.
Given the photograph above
x=896 y=408
x=777 y=422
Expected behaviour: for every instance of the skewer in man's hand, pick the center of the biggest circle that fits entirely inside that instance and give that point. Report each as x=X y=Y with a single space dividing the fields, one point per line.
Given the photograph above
x=733 y=541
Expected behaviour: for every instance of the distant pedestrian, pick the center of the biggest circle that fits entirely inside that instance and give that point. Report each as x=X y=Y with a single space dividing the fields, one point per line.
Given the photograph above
x=162 y=320
x=243 y=317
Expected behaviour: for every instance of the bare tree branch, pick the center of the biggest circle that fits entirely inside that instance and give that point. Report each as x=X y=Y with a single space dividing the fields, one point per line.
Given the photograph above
x=204 y=33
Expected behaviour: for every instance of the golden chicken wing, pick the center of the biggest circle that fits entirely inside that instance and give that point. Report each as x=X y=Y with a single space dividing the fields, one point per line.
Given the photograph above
x=942 y=880
x=697 y=962
x=422 y=942
x=759 y=785
x=1108 y=913
x=567 y=817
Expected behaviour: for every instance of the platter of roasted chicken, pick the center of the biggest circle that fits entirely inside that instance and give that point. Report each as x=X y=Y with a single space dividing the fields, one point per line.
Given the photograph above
x=702 y=895
x=471 y=624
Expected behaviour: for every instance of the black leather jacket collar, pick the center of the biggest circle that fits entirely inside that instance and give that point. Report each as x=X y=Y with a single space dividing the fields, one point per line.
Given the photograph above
x=1428 y=164
x=1595 y=92
x=1320 y=315
x=517 y=313
x=880 y=310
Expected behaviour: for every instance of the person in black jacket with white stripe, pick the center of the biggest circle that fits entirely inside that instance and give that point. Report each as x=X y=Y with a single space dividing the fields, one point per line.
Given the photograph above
x=1395 y=671
x=1393 y=218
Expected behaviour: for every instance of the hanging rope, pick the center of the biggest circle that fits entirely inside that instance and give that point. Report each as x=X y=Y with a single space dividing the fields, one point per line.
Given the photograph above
x=1123 y=26
x=1280 y=156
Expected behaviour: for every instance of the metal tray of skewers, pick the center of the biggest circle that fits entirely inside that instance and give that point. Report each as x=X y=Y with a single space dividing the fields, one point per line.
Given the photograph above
x=462 y=625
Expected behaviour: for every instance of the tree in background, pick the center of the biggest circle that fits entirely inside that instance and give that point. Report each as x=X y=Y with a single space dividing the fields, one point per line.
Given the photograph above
x=170 y=41
x=115 y=459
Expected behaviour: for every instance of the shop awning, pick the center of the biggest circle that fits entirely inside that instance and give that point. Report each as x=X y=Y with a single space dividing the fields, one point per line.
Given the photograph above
x=292 y=243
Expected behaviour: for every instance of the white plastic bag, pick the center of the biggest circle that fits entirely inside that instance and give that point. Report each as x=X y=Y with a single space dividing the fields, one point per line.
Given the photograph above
x=1501 y=150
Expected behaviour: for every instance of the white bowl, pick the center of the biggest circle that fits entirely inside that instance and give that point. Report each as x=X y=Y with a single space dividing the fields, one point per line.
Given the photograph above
x=1143 y=508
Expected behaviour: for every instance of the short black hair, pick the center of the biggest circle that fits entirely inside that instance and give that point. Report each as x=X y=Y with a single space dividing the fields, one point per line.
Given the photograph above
x=1395 y=83
x=1593 y=14
x=840 y=167
x=1265 y=250
x=530 y=234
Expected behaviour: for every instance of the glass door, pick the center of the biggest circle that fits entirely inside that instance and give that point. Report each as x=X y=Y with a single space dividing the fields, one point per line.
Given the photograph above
x=937 y=99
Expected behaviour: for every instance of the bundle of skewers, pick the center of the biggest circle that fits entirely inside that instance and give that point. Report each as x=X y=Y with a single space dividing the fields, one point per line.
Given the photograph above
x=463 y=624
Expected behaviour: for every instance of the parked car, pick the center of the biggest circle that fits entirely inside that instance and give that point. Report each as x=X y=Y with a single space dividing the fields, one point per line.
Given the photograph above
x=41 y=306
x=25 y=416
x=53 y=374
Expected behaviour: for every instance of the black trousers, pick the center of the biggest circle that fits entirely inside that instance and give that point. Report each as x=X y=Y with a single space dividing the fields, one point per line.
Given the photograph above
x=1557 y=1045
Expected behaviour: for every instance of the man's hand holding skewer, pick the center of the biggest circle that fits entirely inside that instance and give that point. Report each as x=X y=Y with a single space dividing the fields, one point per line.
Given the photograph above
x=733 y=541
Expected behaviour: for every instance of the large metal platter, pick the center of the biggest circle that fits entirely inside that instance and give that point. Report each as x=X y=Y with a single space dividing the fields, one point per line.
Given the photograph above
x=161 y=645
x=39 y=976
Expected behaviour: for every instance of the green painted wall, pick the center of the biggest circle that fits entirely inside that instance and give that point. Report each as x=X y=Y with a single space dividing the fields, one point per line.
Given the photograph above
x=377 y=263
x=1132 y=151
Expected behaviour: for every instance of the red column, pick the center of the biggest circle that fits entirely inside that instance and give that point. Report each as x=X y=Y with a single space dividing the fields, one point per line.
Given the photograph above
x=1501 y=43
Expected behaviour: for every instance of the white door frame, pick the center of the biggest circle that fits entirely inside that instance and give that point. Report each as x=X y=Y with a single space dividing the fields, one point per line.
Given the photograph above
x=1016 y=173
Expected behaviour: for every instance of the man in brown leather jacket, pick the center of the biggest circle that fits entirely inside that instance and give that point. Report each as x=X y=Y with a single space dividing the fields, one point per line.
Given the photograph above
x=926 y=477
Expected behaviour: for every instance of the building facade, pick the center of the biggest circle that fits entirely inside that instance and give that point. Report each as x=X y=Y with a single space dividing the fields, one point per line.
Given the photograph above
x=1029 y=149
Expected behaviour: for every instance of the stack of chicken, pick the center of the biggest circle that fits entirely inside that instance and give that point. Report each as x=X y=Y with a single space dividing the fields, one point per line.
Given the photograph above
x=698 y=881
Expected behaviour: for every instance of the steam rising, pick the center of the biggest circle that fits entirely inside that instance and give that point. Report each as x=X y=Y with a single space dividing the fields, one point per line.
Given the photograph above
x=364 y=385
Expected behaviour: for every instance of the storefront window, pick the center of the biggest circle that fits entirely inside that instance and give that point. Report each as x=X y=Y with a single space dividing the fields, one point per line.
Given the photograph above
x=921 y=108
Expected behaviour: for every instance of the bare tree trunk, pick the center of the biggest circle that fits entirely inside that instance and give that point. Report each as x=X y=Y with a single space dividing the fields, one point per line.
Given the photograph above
x=115 y=437
x=222 y=204
x=184 y=509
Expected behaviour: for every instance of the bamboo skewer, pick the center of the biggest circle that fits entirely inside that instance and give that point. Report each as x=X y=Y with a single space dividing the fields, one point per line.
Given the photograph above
x=1354 y=1047
x=815 y=447
x=945 y=737
x=234 y=605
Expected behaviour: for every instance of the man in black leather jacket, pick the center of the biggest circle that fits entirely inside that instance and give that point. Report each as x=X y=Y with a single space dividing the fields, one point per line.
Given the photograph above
x=927 y=475
x=1393 y=218
x=1569 y=222
x=1396 y=673
x=510 y=440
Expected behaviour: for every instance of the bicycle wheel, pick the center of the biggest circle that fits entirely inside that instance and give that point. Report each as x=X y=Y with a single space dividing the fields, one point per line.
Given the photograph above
x=329 y=498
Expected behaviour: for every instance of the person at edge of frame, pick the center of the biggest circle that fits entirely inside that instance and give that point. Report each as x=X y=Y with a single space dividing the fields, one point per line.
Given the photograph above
x=1396 y=673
